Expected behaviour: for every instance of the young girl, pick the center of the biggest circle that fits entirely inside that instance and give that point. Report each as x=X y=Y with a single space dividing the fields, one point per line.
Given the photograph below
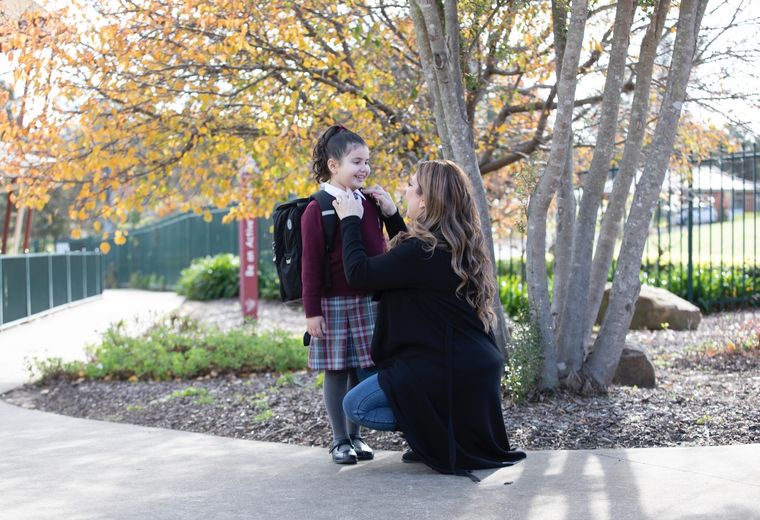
x=339 y=319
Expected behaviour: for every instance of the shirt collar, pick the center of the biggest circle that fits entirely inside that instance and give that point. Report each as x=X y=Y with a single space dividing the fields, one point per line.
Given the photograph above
x=334 y=191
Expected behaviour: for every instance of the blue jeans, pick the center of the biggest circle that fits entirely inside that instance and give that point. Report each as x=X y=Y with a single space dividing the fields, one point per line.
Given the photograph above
x=364 y=373
x=367 y=404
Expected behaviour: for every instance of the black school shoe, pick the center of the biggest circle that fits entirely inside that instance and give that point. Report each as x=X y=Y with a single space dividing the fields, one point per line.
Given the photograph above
x=363 y=451
x=343 y=452
x=410 y=456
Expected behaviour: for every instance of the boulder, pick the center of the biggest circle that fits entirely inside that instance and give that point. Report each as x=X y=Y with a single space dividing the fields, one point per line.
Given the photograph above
x=634 y=369
x=656 y=307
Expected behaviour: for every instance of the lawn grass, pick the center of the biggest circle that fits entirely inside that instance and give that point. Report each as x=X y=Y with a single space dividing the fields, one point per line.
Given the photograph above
x=730 y=243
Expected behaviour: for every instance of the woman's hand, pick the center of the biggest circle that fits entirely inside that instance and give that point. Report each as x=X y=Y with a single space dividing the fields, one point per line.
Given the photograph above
x=348 y=205
x=315 y=326
x=383 y=199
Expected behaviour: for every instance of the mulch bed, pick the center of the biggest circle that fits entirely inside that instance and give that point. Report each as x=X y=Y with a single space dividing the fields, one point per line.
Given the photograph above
x=703 y=398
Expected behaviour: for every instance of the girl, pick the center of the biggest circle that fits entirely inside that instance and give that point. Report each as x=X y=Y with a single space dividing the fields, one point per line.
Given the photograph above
x=339 y=319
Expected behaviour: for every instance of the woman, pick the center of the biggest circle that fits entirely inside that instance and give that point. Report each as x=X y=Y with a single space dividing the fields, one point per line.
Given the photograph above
x=439 y=368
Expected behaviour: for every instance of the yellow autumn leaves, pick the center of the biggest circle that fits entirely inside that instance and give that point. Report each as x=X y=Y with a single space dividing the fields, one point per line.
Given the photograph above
x=155 y=106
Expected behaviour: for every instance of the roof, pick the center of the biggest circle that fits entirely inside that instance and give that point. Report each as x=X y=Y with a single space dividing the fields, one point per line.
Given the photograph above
x=712 y=179
x=705 y=179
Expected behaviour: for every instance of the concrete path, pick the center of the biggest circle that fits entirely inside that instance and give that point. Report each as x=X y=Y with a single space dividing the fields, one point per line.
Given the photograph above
x=67 y=332
x=60 y=467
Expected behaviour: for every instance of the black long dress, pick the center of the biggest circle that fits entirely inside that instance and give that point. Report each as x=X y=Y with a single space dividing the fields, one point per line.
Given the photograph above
x=440 y=370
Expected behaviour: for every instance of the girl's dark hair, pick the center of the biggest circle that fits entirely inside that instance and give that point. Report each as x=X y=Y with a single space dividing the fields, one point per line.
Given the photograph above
x=334 y=143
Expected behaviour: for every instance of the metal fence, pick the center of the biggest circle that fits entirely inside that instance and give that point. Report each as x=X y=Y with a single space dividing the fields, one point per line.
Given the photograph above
x=154 y=256
x=702 y=241
x=32 y=284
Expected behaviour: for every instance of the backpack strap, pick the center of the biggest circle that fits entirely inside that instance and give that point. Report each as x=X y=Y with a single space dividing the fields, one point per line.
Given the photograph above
x=329 y=225
x=376 y=205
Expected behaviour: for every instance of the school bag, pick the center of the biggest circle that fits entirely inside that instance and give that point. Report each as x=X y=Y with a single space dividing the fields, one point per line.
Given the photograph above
x=287 y=247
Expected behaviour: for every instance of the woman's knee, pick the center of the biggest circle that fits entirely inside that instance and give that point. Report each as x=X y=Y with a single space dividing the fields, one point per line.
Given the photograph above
x=357 y=401
x=351 y=404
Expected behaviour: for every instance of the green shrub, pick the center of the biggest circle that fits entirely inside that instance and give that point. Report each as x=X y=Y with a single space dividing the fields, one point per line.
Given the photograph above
x=523 y=369
x=269 y=283
x=139 y=281
x=210 y=278
x=152 y=281
x=713 y=287
x=198 y=394
x=513 y=293
x=53 y=368
x=182 y=348
x=216 y=277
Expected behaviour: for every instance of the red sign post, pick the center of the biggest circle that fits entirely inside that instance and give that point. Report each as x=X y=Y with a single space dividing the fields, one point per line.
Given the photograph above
x=249 y=267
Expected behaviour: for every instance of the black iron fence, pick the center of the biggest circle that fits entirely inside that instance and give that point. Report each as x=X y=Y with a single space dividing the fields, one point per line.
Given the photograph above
x=702 y=242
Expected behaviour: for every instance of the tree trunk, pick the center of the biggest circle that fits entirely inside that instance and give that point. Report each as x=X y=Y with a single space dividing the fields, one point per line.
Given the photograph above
x=565 y=196
x=426 y=58
x=571 y=350
x=538 y=206
x=563 y=247
x=610 y=228
x=438 y=36
x=605 y=356
x=16 y=242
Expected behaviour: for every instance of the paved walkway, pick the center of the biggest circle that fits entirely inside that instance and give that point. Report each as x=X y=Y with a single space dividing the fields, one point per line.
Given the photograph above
x=60 y=467
x=66 y=333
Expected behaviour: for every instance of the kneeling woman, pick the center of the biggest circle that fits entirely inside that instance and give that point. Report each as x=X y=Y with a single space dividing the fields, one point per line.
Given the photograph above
x=439 y=368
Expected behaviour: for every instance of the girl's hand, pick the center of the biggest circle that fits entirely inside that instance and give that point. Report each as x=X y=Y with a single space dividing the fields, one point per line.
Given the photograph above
x=348 y=205
x=383 y=199
x=315 y=326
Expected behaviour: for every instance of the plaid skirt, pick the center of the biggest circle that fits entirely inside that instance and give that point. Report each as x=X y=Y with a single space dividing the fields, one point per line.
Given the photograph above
x=349 y=324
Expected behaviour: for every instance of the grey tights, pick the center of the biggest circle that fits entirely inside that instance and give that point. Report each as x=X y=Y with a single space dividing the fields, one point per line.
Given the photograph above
x=337 y=383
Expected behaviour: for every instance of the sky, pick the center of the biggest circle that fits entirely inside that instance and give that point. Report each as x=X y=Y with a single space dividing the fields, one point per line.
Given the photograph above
x=733 y=74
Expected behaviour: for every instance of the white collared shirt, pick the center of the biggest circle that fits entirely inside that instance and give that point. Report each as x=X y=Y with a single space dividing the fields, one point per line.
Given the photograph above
x=335 y=191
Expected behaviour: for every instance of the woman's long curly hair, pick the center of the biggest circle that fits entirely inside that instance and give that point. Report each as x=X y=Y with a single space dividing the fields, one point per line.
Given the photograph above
x=450 y=221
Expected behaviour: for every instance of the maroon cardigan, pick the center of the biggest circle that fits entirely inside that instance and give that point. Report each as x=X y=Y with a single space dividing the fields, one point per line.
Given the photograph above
x=313 y=256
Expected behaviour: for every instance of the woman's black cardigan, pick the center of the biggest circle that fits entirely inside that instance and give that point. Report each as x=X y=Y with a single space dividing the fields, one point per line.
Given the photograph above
x=440 y=370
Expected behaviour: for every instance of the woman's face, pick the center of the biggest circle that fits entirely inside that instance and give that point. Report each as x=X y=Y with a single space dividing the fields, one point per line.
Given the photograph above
x=415 y=204
x=352 y=170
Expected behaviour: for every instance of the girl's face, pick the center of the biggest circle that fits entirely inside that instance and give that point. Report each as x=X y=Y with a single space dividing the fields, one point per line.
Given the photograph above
x=415 y=204
x=352 y=170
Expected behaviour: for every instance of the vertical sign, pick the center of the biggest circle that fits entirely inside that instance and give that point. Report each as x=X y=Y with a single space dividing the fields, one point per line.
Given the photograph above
x=249 y=250
x=249 y=268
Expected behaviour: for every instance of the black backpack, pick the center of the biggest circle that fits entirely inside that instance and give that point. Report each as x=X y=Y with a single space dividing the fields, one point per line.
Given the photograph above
x=286 y=242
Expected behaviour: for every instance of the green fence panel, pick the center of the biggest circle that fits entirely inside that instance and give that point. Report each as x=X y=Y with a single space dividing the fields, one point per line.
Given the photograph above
x=92 y=275
x=76 y=274
x=34 y=283
x=14 y=289
x=162 y=250
x=39 y=283
x=224 y=237
x=60 y=280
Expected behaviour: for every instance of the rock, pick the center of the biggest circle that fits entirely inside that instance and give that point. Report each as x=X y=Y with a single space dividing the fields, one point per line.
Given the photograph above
x=634 y=369
x=658 y=308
